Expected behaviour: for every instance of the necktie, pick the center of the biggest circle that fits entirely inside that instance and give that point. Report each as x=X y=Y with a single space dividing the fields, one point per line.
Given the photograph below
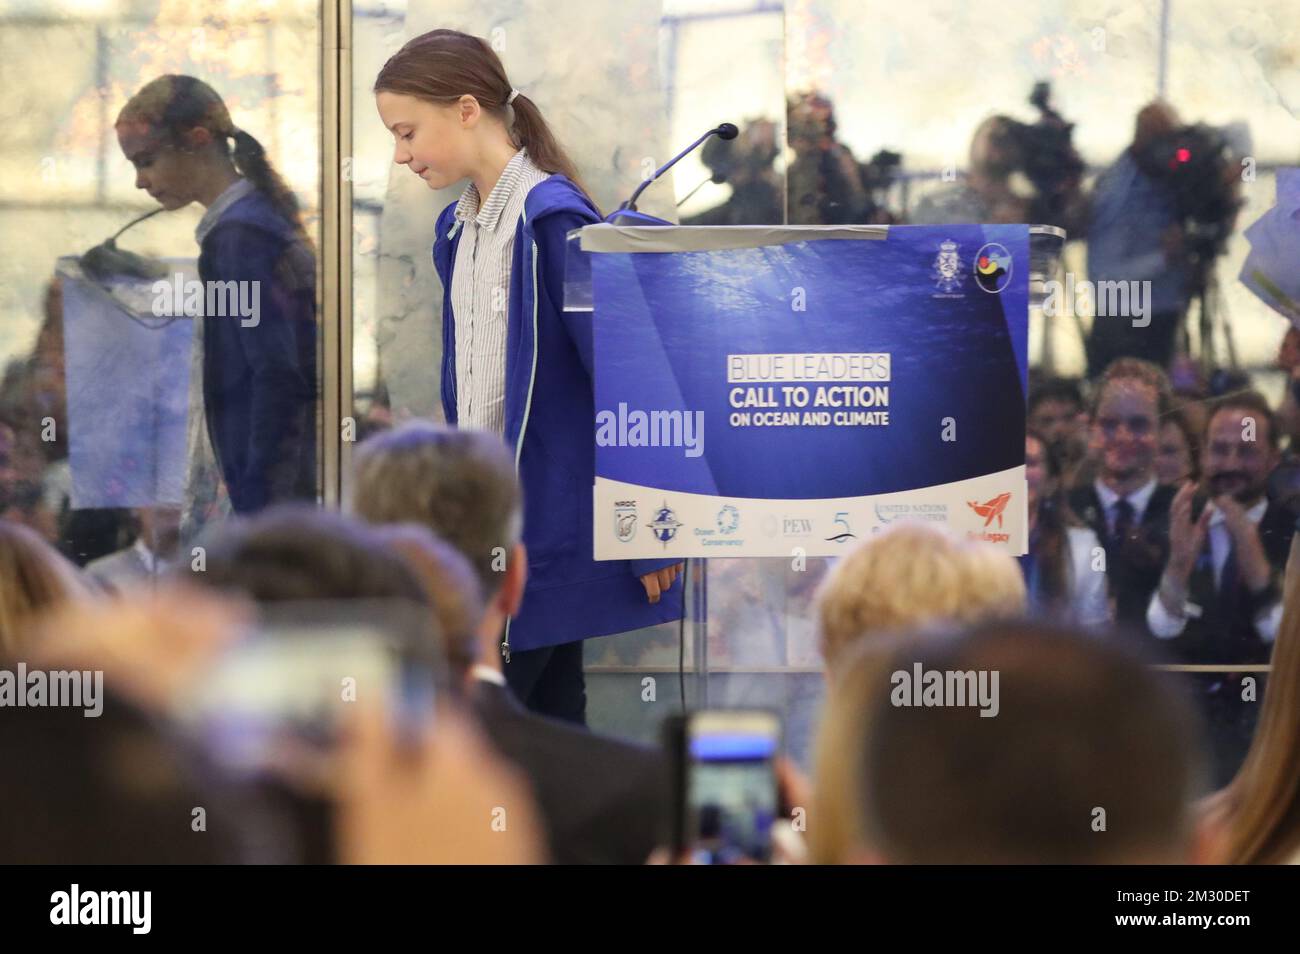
x=1123 y=521
x=1230 y=581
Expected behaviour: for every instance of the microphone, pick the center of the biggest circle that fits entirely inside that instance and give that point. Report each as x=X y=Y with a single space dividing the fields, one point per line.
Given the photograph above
x=106 y=260
x=627 y=212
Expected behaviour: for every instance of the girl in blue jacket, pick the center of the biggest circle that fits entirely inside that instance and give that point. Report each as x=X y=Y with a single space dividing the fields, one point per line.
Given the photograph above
x=259 y=364
x=514 y=361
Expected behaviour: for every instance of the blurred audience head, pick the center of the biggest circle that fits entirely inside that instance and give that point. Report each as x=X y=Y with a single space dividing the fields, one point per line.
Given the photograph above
x=1043 y=468
x=461 y=484
x=1055 y=409
x=1240 y=448
x=104 y=790
x=300 y=552
x=1154 y=120
x=159 y=528
x=1288 y=349
x=913 y=574
x=1179 y=450
x=1129 y=402
x=1015 y=743
x=34 y=577
x=450 y=581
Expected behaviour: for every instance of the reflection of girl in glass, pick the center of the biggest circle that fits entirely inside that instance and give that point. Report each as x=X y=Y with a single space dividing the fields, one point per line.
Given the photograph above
x=514 y=362
x=259 y=372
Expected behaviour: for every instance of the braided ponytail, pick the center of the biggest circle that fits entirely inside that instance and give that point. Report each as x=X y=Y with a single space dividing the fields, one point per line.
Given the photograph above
x=250 y=160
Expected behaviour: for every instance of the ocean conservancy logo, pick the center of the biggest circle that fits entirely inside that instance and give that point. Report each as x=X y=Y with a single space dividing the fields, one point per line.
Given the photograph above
x=102 y=907
x=948 y=270
x=55 y=688
x=665 y=525
x=728 y=519
x=624 y=520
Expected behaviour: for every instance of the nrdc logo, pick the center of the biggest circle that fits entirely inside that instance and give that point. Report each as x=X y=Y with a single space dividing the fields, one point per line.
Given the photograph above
x=624 y=520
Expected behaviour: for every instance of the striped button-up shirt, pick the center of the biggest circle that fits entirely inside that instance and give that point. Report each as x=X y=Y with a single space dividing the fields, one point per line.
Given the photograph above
x=480 y=292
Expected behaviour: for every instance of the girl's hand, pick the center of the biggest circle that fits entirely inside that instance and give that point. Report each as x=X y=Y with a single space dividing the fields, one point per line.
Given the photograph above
x=657 y=582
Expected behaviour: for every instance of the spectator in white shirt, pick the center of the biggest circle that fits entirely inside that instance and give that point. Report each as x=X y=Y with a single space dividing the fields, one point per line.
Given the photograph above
x=1219 y=599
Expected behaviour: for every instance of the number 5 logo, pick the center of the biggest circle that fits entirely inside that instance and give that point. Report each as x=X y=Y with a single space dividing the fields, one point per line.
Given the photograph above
x=846 y=533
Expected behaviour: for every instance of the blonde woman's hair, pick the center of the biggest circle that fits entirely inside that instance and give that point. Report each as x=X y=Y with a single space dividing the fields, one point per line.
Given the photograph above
x=33 y=577
x=1260 y=808
x=914 y=574
x=858 y=684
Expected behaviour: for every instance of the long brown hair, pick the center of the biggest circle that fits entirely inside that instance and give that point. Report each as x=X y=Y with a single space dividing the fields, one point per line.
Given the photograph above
x=1054 y=518
x=1261 y=806
x=172 y=105
x=441 y=66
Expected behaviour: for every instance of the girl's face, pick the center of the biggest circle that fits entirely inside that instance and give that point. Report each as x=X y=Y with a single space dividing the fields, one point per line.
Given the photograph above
x=1174 y=458
x=169 y=175
x=1035 y=469
x=435 y=142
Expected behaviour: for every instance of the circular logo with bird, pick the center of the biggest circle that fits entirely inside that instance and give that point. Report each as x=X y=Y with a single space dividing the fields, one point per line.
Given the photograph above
x=993 y=267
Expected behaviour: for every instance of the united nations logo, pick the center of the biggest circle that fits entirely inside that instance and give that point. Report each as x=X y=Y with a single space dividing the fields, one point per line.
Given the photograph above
x=665 y=524
x=624 y=520
x=948 y=270
x=728 y=519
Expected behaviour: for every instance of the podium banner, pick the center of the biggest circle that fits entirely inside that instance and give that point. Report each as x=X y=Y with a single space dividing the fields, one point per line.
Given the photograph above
x=128 y=385
x=785 y=391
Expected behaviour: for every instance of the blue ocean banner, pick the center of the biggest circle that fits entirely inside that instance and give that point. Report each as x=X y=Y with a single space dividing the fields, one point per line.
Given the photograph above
x=761 y=392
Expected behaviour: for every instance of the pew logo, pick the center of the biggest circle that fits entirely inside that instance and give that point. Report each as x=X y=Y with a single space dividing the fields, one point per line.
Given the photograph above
x=133 y=908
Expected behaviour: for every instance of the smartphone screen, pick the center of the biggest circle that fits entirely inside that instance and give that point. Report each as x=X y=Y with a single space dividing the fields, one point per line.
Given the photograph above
x=279 y=696
x=730 y=782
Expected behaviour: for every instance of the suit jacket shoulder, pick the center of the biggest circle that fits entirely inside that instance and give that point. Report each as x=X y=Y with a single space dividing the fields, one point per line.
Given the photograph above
x=603 y=800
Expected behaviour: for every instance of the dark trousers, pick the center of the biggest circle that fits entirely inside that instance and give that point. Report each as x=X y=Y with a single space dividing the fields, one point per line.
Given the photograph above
x=1115 y=337
x=1230 y=725
x=550 y=681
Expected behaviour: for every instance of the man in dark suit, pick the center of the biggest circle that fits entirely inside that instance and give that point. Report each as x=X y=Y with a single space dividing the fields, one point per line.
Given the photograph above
x=602 y=800
x=1124 y=505
x=1219 y=601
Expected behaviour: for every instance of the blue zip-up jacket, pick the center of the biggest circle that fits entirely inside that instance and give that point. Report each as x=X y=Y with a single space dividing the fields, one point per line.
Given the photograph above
x=259 y=380
x=550 y=424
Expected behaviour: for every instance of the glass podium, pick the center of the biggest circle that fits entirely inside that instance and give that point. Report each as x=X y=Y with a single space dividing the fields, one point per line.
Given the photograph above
x=748 y=639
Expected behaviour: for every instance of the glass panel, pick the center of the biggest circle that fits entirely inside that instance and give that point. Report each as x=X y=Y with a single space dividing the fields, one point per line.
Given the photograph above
x=922 y=113
x=670 y=87
x=165 y=379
